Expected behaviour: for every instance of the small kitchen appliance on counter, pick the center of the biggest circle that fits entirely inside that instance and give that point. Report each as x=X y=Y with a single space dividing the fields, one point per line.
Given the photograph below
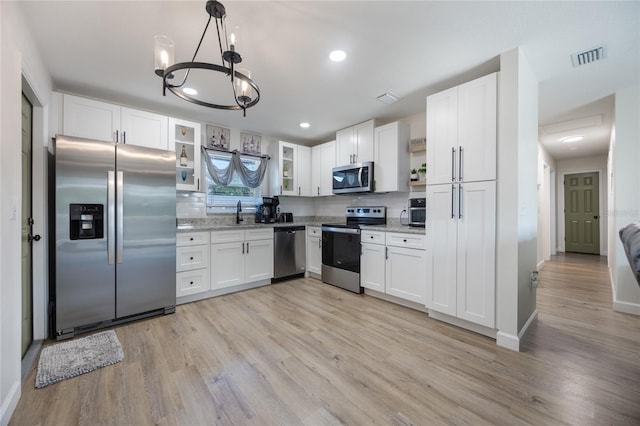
x=267 y=212
x=417 y=211
x=341 y=246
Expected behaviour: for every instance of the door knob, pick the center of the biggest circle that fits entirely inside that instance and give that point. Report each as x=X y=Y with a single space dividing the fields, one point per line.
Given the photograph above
x=33 y=237
x=596 y=217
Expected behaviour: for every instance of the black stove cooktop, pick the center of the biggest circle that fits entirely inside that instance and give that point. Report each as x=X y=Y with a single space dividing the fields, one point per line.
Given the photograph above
x=358 y=216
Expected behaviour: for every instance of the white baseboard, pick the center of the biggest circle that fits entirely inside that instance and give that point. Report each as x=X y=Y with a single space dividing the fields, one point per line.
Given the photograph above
x=512 y=342
x=10 y=403
x=626 y=307
x=540 y=264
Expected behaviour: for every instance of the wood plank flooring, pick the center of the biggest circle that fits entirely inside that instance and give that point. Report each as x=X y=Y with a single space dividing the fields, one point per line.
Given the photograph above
x=306 y=353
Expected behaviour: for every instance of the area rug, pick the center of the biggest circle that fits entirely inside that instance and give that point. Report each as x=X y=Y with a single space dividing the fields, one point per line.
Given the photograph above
x=70 y=359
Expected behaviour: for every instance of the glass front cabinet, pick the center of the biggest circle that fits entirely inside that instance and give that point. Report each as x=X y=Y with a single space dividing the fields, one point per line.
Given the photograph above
x=184 y=137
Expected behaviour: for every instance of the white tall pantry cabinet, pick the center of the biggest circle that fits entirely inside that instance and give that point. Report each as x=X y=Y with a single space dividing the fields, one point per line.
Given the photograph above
x=461 y=201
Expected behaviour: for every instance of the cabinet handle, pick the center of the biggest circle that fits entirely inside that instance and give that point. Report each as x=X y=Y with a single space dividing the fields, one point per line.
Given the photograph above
x=117 y=136
x=247 y=247
x=191 y=258
x=124 y=136
x=319 y=243
x=318 y=190
x=280 y=189
x=405 y=240
x=460 y=201
x=198 y=184
x=386 y=253
x=460 y=164
x=242 y=248
x=298 y=190
x=453 y=162
x=191 y=239
x=453 y=190
x=190 y=282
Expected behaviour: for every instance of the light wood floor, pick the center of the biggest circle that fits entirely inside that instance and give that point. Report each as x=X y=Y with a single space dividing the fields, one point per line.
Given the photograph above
x=303 y=352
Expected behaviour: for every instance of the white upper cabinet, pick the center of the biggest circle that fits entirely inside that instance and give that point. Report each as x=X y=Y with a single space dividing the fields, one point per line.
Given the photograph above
x=88 y=118
x=292 y=175
x=391 y=157
x=461 y=132
x=355 y=144
x=144 y=128
x=185 y=139
x=323 y=160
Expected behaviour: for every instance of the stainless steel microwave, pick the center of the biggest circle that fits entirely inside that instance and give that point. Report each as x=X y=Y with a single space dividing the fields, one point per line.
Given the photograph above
x=352 y=178
x=417 y=208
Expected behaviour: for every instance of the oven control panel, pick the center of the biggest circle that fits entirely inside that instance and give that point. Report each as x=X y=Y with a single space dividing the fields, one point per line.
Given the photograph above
x=366 y=212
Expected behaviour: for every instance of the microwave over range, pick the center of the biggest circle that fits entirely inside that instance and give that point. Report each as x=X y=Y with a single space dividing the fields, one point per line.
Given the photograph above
x=353 y=178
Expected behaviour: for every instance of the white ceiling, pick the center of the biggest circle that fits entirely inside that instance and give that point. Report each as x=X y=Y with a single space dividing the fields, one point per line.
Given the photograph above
x=104 y=49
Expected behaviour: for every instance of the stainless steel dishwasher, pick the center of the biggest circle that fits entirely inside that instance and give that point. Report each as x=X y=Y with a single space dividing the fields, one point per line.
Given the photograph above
x=289 y=247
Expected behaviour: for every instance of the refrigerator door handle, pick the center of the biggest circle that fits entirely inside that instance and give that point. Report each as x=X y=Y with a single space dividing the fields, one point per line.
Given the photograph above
x=111 y=216
x=119 y=217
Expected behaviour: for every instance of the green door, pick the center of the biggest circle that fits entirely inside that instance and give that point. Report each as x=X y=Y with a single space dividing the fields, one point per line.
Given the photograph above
x=581 y=217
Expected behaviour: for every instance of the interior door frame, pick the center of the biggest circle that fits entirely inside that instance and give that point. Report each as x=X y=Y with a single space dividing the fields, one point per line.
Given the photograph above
x=39 y=206
x=602 y=187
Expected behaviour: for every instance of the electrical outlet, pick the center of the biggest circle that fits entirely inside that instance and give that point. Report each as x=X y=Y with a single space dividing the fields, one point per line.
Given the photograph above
x=534 y=279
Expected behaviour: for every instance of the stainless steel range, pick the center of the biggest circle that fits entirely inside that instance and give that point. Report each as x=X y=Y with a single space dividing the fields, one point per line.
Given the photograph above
x=341 y=246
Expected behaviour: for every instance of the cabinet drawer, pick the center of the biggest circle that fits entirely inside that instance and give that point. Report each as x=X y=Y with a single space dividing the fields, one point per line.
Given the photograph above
x=314 y=231
x=372 y=237
x=259 y=234
x=227 y=236
x=192 y=239
x=406 y=240
x=191 y=282
x=192 y=257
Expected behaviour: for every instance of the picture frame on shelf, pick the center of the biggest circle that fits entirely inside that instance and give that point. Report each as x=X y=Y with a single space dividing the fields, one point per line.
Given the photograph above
x=218 y=137
x=250 y=143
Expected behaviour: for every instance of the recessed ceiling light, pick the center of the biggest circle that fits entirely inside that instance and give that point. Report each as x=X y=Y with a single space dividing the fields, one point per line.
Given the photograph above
x=190 y=91
x=574 y=138
x=337 y=56
x=305 y=125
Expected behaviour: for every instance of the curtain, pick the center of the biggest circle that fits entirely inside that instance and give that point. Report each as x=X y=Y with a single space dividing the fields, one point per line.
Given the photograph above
x=219 y=175
x=250 y=178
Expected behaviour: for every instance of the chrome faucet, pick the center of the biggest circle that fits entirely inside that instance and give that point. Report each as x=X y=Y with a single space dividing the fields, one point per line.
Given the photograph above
x=238 y=211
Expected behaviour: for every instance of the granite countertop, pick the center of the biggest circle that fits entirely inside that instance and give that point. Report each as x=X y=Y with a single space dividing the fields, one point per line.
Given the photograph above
x=224 y=224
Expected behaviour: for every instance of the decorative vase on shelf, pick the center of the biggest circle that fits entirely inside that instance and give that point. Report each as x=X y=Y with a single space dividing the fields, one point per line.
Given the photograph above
x=183 y=157
x=414 y=175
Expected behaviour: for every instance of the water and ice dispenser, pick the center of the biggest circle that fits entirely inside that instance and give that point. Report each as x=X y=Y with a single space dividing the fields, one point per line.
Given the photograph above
x=86 y=221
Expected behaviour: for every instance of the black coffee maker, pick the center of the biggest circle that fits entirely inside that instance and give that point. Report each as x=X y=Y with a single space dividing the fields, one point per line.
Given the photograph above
x=267 y=212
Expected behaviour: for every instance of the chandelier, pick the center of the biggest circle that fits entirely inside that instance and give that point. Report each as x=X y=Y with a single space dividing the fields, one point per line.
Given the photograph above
x=245 y=92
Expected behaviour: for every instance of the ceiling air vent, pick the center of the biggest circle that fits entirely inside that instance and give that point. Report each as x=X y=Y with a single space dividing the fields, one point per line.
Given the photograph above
x=588 y=56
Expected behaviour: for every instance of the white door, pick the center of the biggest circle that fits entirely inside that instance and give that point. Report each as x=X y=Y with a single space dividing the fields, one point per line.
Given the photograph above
x=303 y=168
x=86 y=118
x=372 y=267
x=314 y=252
x=363 y=134
x=258 y=260
x=345 y=146
x=405 y=274
x=441 y=226
x=477 y=129
x=143 y=128
x=476 y=253
x=327 y=163
x=227 y=264
x=442 y=136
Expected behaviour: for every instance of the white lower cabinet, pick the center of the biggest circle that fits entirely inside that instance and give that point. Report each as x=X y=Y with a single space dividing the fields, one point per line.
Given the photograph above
x=393 y=263
x=314 y=250
x=241 y=256
x=192 y=263
x=461 y=251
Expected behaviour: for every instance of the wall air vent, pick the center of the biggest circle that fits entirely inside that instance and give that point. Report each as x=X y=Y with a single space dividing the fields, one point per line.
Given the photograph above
x=589 y=56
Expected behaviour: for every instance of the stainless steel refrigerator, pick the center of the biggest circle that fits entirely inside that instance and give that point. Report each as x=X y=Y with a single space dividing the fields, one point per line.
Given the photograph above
x=115 y=234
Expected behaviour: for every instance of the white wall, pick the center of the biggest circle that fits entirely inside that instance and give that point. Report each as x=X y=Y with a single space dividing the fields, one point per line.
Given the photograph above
x=581 y=165
x=18 y=56
x=625 y=184
x=517 y=199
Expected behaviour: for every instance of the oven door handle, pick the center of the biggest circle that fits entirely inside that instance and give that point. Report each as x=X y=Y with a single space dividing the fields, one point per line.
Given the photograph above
x=341 y=230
